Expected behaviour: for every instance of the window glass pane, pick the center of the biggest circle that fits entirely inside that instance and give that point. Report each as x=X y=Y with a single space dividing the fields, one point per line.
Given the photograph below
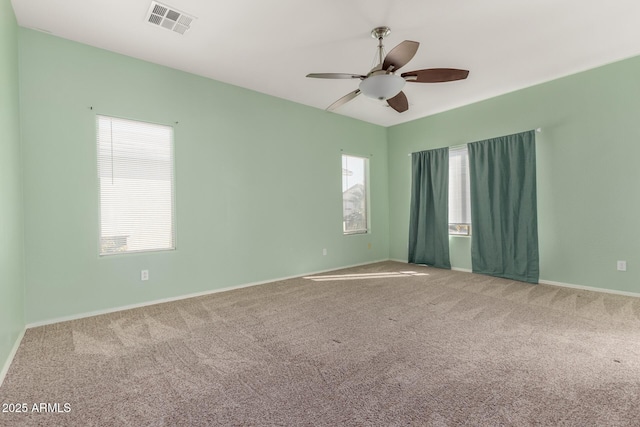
x=459 y=196
x=354 y=194
x=135 y=171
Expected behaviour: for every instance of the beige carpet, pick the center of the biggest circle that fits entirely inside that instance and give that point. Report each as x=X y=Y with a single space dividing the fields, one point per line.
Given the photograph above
x=429 y=348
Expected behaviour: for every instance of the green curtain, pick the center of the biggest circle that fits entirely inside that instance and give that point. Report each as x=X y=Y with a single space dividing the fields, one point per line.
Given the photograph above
x=429 y=223
x=503 y=207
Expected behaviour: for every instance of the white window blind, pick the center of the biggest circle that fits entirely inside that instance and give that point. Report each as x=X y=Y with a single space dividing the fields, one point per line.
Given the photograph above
x=354 y=195
x=135 y=171
x=459 y=193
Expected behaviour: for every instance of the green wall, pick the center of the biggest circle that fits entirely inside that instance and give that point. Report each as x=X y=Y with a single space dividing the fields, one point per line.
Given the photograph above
x=587 y=160
x=11 y=213
x=258 y=181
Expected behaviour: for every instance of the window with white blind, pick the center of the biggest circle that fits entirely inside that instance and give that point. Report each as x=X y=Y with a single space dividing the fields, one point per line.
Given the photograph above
x=354 y=195
x=459 y=195
x=135 y=172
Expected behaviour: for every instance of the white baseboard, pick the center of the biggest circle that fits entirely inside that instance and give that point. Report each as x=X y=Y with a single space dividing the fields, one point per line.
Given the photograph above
x=181 y=297
x=590 y=288
x=12 y=354
x=5 y=368
x=464 y=270
x=560 y=284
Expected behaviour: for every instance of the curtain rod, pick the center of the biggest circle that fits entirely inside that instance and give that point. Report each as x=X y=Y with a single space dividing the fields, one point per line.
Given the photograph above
x=538 y=130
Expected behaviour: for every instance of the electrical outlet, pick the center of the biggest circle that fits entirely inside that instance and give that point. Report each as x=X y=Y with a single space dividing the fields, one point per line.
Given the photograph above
x=622 y=265
x=324 y=251
x=144 y=275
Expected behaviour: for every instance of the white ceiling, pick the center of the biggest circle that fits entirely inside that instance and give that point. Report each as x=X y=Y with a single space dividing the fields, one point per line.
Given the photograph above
x=270 y=45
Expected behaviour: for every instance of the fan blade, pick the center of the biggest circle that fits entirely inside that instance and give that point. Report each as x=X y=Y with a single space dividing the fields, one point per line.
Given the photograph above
x=436 y=75
x=335 y=76
x=399 y=102
x=400 y=55
x=340 y=102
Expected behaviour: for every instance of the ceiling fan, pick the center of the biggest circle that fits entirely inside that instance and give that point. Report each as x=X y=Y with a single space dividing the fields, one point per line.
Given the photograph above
x=383 y=83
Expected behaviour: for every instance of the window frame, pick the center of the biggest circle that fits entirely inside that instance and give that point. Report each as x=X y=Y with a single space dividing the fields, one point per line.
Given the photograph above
x=367 y=192
x=173 y=229
x=463 y=229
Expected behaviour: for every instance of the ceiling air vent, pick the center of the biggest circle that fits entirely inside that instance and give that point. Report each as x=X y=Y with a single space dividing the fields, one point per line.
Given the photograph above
x=168 y=17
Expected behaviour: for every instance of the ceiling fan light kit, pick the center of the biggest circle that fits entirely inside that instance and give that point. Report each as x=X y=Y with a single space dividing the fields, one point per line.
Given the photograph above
x=382 y=86
x=383 y=83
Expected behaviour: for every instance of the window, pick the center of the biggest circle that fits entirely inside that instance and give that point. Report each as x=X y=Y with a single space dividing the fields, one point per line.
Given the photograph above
x=459 y=196
x=354 y=195
x=135 y=173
